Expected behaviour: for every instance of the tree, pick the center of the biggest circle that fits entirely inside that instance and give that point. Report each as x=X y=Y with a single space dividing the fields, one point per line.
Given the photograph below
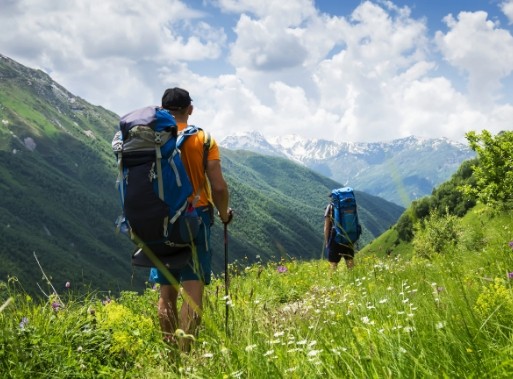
x=493 y=172
x=404 y=227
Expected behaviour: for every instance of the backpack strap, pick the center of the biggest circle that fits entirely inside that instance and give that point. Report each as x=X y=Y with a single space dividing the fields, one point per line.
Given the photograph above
x=191 y=130
x=158 y=155
x=117 y=147
x=207 y=139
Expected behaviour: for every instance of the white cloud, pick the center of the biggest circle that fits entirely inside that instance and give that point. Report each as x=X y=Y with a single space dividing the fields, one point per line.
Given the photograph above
x=280 y=67
x=507 y=9
x=259 y=48
x=109 y=52
x=481 y=49
x=283 y=12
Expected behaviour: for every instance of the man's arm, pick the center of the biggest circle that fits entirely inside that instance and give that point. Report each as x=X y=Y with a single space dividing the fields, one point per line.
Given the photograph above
x=220 y=194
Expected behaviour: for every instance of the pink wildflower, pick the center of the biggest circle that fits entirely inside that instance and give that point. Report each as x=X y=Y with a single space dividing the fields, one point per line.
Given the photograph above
x=56 y=305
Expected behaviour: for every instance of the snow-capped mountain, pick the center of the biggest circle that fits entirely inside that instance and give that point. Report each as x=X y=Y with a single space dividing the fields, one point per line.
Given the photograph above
x=252 y=141
x=400 y=170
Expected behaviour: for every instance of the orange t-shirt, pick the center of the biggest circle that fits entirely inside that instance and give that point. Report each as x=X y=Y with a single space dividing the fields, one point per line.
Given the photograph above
x=192 y=158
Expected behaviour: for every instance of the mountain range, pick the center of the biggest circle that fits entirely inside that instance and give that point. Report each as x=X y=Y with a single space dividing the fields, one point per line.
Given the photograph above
x=399 y=171
x=59 y=202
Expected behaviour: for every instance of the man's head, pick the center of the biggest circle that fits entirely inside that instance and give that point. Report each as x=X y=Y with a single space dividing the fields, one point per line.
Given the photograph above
x=176 y=99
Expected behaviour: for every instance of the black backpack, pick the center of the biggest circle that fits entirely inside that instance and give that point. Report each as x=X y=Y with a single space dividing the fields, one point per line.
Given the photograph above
x=154 y=187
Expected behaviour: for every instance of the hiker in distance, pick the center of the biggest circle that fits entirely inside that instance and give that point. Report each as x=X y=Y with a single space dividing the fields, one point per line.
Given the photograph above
x=210 y=186
x=341 y=227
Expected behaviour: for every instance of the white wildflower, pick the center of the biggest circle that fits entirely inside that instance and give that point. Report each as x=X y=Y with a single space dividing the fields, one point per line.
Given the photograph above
x=366 y=320
x=250 y=348
x=237 y=374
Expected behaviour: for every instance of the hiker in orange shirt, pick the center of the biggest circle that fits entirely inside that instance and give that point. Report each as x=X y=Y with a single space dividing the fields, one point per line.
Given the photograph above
x=208 y=183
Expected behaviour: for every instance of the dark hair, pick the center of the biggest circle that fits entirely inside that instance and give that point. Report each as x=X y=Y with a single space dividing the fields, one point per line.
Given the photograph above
x=175 y=99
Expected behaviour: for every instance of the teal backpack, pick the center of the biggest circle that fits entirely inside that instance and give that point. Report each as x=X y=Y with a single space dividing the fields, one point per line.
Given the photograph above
x=346 y=228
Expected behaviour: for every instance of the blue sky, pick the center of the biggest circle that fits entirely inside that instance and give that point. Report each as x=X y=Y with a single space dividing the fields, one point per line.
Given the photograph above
x=345 y=70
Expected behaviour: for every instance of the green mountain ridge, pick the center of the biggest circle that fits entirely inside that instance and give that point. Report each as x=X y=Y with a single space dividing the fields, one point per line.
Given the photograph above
x=59 y=202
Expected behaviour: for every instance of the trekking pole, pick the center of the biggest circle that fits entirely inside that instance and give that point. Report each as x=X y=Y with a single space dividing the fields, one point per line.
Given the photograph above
x=226 y=274
x=226 y=281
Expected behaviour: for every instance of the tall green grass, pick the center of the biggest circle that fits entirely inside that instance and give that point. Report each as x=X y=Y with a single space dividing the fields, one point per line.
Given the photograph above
x=392 y=316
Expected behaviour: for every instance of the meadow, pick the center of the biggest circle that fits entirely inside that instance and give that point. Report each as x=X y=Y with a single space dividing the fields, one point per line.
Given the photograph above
x=396 y=315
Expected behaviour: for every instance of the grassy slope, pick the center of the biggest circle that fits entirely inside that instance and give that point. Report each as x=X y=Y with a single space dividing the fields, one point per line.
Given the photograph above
x=450 y=316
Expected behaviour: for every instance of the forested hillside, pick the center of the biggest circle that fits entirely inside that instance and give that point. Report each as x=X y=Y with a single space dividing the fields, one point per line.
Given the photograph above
x=59 y=202
x=279 y=208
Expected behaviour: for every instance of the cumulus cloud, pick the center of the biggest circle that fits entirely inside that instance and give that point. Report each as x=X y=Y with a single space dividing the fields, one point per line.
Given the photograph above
x=507 y=9
x=109 y=52
x=482 y=50
x=258 y=48
x=280 y=67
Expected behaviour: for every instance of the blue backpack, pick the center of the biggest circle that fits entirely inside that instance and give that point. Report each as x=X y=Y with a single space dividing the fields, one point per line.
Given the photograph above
x=154 y=187
x=346 y=228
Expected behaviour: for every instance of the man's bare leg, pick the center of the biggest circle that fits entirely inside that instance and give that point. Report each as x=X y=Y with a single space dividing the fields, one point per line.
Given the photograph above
x=167 y=311
x=190 y=313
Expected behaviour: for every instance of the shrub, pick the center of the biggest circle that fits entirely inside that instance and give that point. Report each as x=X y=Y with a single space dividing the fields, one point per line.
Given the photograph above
x=436 y=234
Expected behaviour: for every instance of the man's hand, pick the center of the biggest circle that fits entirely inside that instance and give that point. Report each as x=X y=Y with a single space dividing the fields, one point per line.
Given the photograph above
x=228 y=218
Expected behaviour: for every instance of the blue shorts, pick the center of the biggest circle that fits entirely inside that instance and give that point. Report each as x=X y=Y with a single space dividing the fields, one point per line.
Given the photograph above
x=200 y=267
